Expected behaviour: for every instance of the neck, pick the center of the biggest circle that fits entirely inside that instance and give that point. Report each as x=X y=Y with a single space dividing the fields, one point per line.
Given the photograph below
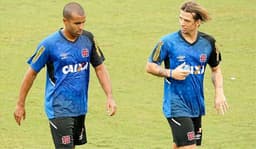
x=190 y=37
x=68 y=36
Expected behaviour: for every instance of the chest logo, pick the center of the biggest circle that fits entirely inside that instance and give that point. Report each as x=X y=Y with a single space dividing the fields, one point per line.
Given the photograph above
x=181 y=58
x=64 y=55
x=75 y=68
x=203 y=58
x=85 y=52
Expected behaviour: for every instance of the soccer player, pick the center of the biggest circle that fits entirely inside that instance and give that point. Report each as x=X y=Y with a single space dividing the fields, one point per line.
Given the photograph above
x=67 y=54
x=186 y=54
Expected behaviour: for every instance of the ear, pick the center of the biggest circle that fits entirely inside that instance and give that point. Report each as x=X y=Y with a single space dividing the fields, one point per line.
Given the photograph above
x=64 y=20
x=198 y=22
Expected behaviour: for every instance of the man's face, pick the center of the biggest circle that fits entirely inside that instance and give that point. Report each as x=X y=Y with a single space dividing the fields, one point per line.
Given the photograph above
x=75 y=24
x=187 y=22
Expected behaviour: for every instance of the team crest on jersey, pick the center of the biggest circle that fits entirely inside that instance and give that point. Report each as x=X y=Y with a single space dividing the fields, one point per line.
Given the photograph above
x=203 y=58
x=85 y=52
x=38 y=54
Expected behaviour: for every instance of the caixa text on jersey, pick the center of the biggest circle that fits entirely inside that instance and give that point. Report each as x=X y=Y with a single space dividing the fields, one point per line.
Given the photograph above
x=74 y=68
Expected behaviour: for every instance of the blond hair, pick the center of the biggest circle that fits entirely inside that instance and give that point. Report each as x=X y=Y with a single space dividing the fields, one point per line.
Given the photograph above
x=196 y=10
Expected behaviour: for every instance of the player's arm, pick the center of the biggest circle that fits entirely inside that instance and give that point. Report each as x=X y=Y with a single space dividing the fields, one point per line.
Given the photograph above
x=97 y=59
x=157 y=70
x=153 y=66
x=104 y=80
x=27 y=82
x=220 y=100
x=179 y=73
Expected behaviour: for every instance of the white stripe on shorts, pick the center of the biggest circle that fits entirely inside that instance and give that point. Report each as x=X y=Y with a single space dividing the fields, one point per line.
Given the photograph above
x=53 y=125
x=176 y=122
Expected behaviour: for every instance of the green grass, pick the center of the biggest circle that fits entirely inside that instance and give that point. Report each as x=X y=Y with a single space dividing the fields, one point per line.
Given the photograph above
x=127 y=31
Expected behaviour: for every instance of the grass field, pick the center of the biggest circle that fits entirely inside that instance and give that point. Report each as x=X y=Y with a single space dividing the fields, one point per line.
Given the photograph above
x=127 y=31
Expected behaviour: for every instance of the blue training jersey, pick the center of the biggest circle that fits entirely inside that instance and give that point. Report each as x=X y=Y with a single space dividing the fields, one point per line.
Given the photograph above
x=185 y=98
x=68 y=71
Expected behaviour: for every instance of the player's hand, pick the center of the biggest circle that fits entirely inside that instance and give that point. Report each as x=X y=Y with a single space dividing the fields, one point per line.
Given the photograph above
x=111 y=107
x=19 y=114
x=221 y=105
x=179 y=73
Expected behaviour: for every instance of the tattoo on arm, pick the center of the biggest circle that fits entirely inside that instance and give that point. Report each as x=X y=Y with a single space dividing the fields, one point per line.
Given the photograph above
x=162 y=72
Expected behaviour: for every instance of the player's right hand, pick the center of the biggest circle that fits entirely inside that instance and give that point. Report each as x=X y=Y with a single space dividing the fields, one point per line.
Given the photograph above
x=111 y=107
x=19 y=114
x=179 y=73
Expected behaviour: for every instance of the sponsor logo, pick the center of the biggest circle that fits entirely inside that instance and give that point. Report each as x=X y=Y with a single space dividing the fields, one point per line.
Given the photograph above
x=75 y=68
x=64 y=55
x=197 y=136
x=195 y=69
x=181 y=58
x=81 y=135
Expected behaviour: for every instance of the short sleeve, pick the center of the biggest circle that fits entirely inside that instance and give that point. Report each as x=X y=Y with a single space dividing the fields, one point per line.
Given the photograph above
x=158 y=54
x=97 y=56
x=215 y=56
x=40 y=57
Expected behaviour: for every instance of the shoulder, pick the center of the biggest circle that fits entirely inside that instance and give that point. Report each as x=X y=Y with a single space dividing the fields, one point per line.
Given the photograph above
x=170 y=37
x=88 y=34
x=207 y=37
x=51 y=39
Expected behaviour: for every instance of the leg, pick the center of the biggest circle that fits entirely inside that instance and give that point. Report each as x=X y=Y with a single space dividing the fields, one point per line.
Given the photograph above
x=184 y=147
x=182 y=132
x=188 y=147
x=79 y=131
x=62 y=132
x=198 y=130
x=174 y=146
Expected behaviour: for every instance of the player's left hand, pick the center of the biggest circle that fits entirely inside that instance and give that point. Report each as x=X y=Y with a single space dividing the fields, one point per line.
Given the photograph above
x=221 y=105
x=111 y=107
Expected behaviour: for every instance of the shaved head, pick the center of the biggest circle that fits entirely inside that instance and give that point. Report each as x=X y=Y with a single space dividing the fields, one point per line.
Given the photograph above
x=71 y=8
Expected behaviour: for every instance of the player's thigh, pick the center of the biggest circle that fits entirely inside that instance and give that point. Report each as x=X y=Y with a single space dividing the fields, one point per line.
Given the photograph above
x=182 y=131
x=79 y=130
x=62 y=132
x=197 y=121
